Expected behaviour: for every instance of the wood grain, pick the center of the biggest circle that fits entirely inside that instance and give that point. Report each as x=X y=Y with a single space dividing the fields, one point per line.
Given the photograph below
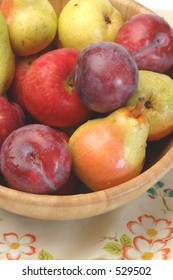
x=86 y=205
x=129 y=8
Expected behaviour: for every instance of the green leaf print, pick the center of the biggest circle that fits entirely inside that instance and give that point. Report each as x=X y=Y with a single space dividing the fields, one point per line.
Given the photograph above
x=152 y=192
x=168 y=192
x=125 y=240
x=44 y=255
x=159 y=185
x=113 y=248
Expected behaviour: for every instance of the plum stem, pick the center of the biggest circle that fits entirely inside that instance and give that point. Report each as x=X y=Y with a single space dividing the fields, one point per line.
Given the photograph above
x=34 y=160
x=136 y=111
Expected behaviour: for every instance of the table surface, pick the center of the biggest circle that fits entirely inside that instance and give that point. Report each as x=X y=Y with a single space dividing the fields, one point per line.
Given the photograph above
x=141 y=229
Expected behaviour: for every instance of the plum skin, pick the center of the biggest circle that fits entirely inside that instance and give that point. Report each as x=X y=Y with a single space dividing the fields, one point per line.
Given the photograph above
x=105 y=76
x=149 y=39
x=36 y=159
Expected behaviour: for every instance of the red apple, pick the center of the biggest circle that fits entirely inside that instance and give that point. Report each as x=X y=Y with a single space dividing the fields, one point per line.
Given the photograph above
x=11 y=118
x=48 y=92
x=149 y=39
x=35 y=158
x=21 y=65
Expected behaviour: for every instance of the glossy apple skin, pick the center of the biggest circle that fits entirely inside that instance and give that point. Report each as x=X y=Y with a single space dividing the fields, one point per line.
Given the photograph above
x=105 y=76
x=149 y=39
x=36 y=159
x=11 y=118
x=48 y=93
x=21 y=66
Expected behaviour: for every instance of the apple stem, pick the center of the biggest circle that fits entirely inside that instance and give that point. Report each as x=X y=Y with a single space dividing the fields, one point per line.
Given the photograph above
x=69 y=82
x=135 y=112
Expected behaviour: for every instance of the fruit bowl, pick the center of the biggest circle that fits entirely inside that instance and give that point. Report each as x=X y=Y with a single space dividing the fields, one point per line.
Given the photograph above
x=158 y=162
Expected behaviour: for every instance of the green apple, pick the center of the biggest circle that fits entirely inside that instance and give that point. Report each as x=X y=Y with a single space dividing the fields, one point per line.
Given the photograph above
x=157 y=90
x=82 y=22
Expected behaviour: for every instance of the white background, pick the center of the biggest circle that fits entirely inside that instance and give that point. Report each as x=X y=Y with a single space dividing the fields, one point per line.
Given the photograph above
x=159 y=269
x=157 y=4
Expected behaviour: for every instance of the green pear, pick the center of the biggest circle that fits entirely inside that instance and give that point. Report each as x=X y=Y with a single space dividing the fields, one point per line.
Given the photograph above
x=82 y=22
x=7 y=62
x=111 y=150
x=32 y=25
x=157 y=89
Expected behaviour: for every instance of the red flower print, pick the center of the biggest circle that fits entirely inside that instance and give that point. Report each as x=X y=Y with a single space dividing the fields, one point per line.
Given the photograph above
x=151 y=228
x=145 y=249
x=13 y=246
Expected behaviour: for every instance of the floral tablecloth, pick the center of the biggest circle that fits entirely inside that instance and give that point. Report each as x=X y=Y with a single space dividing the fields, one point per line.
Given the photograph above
x=141 y=229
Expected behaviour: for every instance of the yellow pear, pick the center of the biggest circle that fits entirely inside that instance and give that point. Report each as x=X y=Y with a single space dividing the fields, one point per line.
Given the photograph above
x=157 y=89
x=109 y=151
x=32 y=24
x=58 y=5
x=83 y=22
x=7 y=62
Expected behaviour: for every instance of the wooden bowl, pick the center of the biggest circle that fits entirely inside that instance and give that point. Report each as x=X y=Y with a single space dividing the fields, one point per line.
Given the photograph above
x=49 y=207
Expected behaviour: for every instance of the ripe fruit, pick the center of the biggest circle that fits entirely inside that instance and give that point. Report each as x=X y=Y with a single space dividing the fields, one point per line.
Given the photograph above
x=7 y=61
x=105 y=76
x=149 y=39
x=21 y=66
x=157 y=90
x=83 y=22
x=32 y=25
x=11 y=118
x=48 y=92
x=111 y=150
x=35 y=158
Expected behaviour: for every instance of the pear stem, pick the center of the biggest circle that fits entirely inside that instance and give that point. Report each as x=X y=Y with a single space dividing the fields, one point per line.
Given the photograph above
x=135 y=112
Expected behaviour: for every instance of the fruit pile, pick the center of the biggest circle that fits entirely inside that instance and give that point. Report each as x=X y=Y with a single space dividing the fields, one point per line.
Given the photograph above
x=83 y=92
